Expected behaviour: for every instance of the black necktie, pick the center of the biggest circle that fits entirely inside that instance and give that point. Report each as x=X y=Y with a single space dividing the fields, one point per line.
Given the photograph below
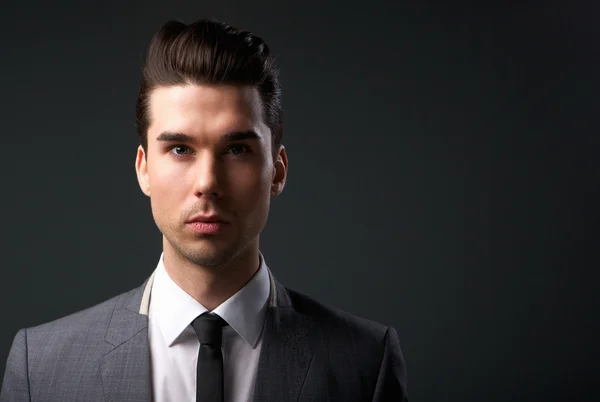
x=209 y=371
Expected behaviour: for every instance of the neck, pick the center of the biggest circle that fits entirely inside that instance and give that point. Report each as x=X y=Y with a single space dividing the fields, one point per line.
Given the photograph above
x=211 y=286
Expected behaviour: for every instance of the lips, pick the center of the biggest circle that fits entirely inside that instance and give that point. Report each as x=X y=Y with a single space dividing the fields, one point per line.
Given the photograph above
x=207 y=224
x=214 y=218
x=207 y=228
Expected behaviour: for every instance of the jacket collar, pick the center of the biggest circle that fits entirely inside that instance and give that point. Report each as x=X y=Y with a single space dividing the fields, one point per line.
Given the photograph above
x=284 y=361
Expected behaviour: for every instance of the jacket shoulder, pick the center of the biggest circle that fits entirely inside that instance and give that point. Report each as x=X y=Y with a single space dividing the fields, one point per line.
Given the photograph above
x=336 y=321
x=98 y=315
x=45 y=359
x=72 y=343
x=353 y=356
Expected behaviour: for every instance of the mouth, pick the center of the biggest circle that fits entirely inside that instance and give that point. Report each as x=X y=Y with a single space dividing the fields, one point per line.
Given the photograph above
x=207 y=227
x=213 y=218
x=207 y=224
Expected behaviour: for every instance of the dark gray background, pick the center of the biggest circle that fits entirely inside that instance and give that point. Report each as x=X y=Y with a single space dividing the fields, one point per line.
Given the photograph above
x=443 y=176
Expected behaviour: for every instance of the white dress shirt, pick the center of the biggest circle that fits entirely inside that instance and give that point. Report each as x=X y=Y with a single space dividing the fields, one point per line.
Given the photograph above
x=174 y=345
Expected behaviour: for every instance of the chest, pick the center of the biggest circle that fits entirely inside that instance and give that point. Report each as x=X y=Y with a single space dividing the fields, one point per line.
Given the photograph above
x=173 y=367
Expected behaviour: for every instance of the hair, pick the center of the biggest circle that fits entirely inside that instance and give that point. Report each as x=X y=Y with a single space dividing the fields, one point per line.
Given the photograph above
x=210 y=52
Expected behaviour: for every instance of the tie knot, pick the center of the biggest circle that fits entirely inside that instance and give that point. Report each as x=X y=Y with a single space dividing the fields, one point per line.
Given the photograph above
x=208 y=327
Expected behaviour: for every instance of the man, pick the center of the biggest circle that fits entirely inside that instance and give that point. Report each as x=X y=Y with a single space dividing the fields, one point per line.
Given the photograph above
x=211 y=323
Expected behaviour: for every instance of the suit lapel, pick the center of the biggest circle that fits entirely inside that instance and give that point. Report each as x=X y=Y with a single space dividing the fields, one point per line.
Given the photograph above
x=285 y=353
x=125 y=369
x=284 y=361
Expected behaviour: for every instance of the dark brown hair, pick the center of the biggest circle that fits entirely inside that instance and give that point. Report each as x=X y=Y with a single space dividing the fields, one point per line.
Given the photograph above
x=210 y=52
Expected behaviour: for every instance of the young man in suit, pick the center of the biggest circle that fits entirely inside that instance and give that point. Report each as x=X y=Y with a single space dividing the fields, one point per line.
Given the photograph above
x=211 y=323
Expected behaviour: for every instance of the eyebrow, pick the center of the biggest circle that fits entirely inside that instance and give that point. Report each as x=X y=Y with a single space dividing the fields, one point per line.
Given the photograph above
x=229 y=137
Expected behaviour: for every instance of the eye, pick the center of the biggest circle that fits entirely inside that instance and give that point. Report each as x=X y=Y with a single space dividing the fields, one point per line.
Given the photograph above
x=178 y=150
x=239 y=149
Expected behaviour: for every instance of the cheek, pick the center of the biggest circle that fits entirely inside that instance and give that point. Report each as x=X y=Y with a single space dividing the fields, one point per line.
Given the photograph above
x=168 y=187
x=168 y=179
x=253 y=190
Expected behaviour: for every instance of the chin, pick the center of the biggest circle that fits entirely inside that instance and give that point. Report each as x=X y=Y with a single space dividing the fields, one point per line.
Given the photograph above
x=208 y=254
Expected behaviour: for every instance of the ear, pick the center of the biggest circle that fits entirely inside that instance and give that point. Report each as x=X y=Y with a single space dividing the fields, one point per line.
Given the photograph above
x=141 y=168
x=280 y=168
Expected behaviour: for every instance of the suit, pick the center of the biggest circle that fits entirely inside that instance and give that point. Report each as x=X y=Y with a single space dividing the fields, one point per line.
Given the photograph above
x=310 y=352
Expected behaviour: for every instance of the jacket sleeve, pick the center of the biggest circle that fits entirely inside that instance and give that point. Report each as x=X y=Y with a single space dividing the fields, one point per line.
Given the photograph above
x=15 y=386
x=391 y=381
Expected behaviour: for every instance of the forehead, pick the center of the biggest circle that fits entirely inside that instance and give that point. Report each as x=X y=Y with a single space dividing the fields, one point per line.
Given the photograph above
x=202 y=108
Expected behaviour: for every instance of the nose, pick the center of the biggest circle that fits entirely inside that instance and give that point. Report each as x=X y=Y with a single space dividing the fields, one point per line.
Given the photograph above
x=207 y=176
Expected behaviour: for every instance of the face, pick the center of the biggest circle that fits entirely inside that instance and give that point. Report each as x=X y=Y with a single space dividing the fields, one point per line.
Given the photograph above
x=209 y=155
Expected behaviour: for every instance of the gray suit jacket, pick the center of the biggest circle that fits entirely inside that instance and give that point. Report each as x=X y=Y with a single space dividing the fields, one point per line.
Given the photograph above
x=310 y=352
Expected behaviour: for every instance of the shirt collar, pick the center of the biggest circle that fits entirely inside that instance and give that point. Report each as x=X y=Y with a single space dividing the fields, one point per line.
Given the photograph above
x=174 y=309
